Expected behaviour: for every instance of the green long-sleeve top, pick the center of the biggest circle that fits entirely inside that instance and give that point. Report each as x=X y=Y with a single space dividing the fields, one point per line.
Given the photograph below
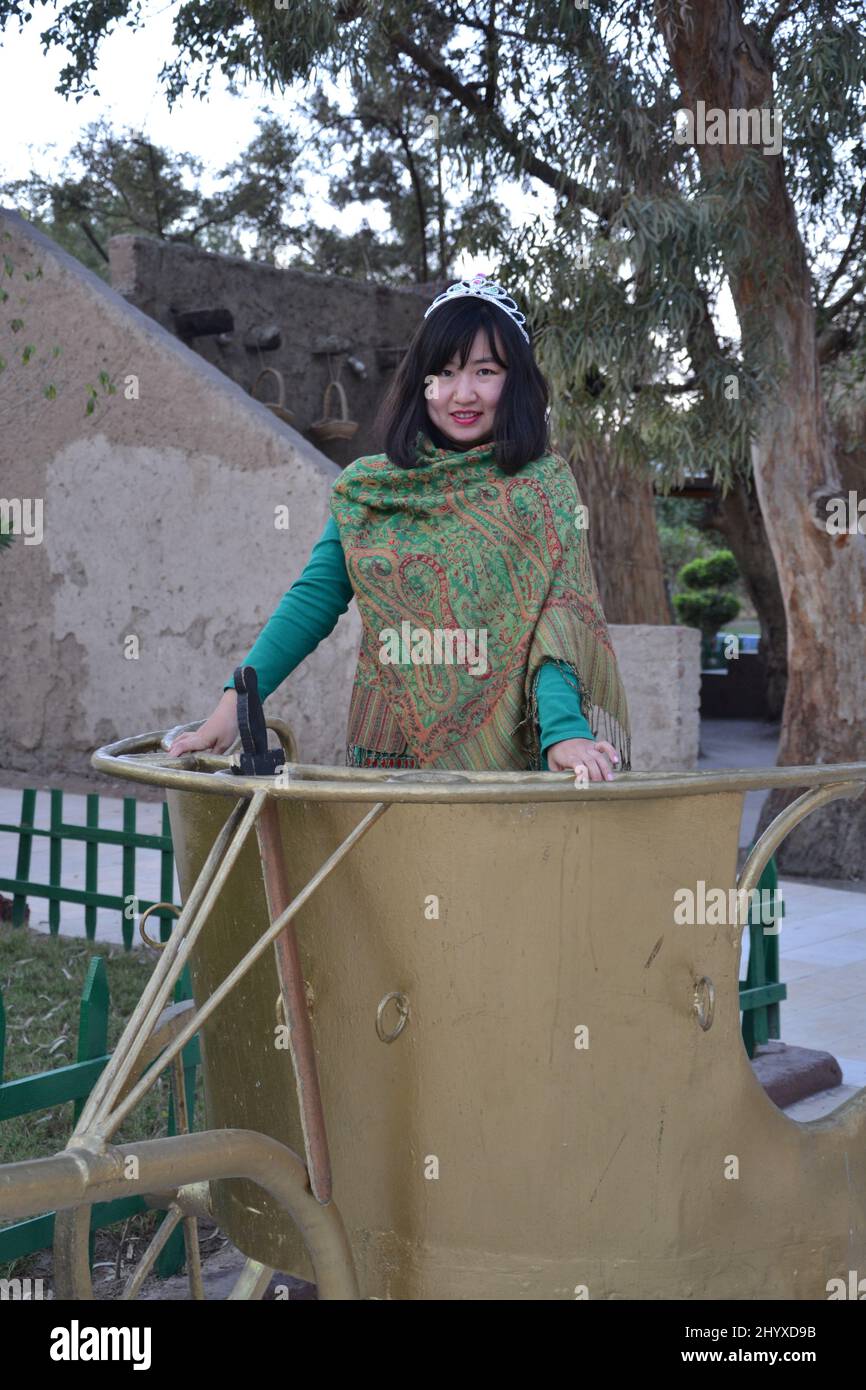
x=309 y=611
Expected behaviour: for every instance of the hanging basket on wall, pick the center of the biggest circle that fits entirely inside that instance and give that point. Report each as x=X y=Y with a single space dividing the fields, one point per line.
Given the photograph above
x=334 y=426
x=277 y=407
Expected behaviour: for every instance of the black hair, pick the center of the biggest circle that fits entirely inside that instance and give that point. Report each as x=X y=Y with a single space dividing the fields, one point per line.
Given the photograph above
x=520 y=432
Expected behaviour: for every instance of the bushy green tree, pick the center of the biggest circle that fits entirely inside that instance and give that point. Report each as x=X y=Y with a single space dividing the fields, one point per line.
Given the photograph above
x=111 y=182
x=704 y=602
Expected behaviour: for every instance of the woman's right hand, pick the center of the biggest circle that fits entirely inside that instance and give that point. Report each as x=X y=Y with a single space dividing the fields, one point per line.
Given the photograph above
x=217 y=733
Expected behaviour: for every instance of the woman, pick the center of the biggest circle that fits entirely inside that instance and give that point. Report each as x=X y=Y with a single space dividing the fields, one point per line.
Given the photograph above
x=484 y=645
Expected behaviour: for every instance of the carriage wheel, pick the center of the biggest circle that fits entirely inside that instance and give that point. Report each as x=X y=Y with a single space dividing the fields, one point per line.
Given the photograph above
x=72 y=1276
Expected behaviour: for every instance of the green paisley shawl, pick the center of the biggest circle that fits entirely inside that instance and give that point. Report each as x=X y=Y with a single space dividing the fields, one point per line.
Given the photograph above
x=455 y=543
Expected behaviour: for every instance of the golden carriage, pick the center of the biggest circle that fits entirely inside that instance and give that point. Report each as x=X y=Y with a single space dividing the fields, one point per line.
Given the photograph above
x=455 y=1047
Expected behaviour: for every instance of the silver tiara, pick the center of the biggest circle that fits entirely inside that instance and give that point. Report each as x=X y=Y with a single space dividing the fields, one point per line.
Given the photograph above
x=479 y=287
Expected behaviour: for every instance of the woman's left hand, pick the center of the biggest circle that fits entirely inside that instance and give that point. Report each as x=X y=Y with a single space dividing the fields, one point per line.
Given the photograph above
x=589 y=760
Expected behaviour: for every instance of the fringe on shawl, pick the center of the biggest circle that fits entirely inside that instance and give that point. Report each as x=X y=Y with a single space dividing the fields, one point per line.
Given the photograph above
x=599 y=719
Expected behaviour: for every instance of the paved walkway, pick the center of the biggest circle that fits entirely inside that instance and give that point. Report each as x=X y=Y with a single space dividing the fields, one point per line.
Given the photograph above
x=822 y=944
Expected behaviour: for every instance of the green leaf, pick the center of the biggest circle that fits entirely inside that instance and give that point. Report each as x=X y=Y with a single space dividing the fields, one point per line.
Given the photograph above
x=50 y=392
x=91 y=406
x=28 y=353
x=16 y=324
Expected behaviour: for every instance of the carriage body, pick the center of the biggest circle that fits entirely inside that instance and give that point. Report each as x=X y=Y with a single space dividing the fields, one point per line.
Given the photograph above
x=551 y=1118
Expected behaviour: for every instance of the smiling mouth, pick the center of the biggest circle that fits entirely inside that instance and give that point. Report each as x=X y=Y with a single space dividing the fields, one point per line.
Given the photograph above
x=466 y=417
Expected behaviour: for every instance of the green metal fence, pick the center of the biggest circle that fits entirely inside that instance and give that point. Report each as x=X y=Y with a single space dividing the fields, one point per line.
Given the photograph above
x=762 y=992
x=22 y=886
x=74 y=1082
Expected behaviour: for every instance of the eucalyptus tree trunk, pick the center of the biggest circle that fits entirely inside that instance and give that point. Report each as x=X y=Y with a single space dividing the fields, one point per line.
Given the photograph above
x=623 y=540
x=737 y=517
x=717 y=60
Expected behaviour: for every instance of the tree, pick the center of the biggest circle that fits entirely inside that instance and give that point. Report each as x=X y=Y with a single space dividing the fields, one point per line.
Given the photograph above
x=703 y=602
x=625 y=276
x=737 y=517
x=726 y=63
x=115 y=182
x=121 y=182
x=388 y=148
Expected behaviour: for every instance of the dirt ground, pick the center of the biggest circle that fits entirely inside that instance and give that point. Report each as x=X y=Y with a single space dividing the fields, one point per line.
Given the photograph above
x=118 y=1250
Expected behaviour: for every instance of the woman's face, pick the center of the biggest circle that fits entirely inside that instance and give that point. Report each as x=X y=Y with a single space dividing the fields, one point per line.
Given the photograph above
x=461 y=401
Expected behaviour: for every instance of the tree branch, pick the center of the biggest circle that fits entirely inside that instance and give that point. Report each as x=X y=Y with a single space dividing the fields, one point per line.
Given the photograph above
x=853 y=289
x=832 y=342
x=443 y=77
x=492 y=60
x=784 y=10
x=849 y=249
x=151 y=160
x=418 y=190
x=94 y=242
x=668 y=388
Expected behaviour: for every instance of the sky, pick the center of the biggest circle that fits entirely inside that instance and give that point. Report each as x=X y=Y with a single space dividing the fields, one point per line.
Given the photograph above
x=33 y=117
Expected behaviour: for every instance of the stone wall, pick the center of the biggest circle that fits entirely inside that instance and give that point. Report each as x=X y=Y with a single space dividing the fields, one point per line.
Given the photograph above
x=661 y=670
x=160 y=557
x=159 y=482
x=372 y=323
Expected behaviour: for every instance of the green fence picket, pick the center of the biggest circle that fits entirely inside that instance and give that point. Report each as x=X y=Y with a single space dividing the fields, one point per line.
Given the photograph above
x=128 y=889
x=25 y=846
x=762 y=992
x=91 y=865
x=55 y=860
x=74 y=1082
x=93 y=1018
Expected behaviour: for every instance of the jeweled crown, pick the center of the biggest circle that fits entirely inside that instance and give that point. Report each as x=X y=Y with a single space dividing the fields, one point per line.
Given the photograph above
x=479 y=287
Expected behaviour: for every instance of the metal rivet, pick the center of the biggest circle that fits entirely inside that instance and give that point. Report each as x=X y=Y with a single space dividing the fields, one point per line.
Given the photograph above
x=705 y=1002
x=402 y=1002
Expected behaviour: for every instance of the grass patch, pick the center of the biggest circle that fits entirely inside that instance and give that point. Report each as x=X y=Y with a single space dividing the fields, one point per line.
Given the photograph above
x=42 y=978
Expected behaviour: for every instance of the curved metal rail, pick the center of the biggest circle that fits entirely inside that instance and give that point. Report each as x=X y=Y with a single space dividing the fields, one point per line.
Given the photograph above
x=145 y=758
